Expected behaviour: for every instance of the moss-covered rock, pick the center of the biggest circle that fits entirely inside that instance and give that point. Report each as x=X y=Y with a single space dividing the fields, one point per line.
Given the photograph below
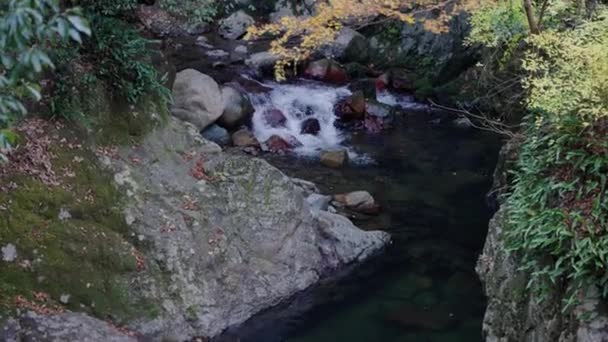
x=72 y=245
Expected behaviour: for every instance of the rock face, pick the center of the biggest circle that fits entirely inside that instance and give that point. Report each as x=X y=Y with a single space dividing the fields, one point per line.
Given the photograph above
x=513 y=312
x=197 y=98
x=231 y=234
x=235 y=26
x=221 y=237
x=68 y=326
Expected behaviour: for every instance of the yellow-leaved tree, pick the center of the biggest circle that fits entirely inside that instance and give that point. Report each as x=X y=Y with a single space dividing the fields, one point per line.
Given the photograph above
x=298 y=37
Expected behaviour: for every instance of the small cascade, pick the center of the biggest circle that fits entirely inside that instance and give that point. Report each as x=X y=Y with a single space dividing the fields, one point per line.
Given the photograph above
x=405 y=101
x=298 y=103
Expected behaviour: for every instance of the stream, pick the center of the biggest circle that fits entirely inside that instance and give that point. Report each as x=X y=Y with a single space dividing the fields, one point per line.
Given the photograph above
x=430 y=178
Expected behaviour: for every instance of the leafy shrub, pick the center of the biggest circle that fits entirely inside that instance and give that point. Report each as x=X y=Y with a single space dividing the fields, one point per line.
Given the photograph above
x=110 y=8
x=28 y=30
x=118 y=56
x=121 y=58
x=194 y=11
x=558 y=209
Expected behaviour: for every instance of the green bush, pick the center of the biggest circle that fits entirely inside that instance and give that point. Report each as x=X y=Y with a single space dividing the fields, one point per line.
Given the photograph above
x=195 y=12
x=117 y=56
x=110 y=8
x=558 y=208
x=28 y=30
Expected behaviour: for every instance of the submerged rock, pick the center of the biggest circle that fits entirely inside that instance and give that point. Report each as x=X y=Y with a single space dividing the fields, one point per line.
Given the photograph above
x=197 y=98
x=334 y=159
x=275 y=118
x=277 y=144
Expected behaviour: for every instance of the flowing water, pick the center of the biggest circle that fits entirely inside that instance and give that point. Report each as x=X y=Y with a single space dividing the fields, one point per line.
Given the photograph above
x=430 y=178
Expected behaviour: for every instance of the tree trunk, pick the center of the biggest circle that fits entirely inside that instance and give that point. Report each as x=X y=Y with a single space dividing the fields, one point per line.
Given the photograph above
x=531 y=19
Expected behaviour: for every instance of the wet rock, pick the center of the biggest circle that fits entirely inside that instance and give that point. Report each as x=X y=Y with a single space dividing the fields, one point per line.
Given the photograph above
x=241 y=49
x=308 y=188
x=196 y=98
x=235 y=26
x=373 y=124
x=351 y=108
x=359 y=201
x=366 y=85
x=349 y=46
x=202 y=41
x=334 y=158
x=277 y=144
x=326 y=70
x=237 y=107
x=217 y=134
x=262 y=63
x=244 y=138
x=275 y=118
x=310 y=126
x=217 y=54
x=383 y=112
x=462 y=123
x=318 y=202
x=383 y=81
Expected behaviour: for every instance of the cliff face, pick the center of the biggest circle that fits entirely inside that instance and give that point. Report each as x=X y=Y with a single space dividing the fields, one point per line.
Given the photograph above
x=514 y=314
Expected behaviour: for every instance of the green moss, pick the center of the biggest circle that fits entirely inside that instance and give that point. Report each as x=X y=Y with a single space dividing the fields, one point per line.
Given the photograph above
x=87 y=256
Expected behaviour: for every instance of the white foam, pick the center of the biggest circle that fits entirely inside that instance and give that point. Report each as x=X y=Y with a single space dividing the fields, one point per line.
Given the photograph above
x=404 y=101
x=299 y=102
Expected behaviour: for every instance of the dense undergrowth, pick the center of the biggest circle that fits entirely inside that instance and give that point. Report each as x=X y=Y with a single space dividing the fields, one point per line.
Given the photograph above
x=557 y=205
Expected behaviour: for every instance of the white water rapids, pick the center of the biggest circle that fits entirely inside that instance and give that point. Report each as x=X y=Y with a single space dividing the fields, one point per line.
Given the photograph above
x=309 y=99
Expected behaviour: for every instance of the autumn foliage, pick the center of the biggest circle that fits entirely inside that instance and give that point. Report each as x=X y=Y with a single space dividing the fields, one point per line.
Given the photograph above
x=298 y=37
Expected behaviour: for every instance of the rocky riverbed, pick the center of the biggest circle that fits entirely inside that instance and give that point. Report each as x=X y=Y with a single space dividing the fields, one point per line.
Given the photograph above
x=244 y=201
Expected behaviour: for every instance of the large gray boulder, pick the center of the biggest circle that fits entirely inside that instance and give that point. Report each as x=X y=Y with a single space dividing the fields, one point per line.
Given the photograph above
x=235 y=26
x=68 y=326
x=197 y=98
x=230 y=235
